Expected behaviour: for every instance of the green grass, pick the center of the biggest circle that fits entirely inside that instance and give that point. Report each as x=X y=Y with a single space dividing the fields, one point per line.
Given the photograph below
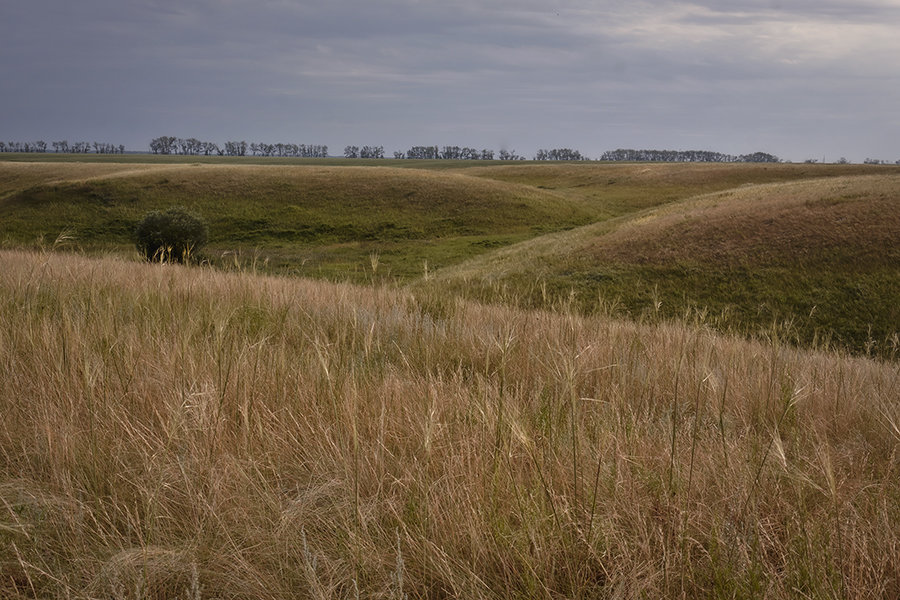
x=645 y=238
x=820 y=258
x=299 y=219
x=842 y=309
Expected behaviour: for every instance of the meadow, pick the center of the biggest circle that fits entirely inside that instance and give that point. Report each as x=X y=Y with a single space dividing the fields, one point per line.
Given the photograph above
x=453 y=380
x=810 y=249
x=185 y=432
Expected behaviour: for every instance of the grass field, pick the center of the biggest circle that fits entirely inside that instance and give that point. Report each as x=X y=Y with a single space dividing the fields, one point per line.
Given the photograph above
x=821 y=257
x=487 y=381
x=811 y=248
x=186 y=432
x=319 y=220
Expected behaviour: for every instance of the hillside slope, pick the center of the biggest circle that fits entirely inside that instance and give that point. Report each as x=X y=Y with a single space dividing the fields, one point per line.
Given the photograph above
x=745 y=245
x=616 y=189
x=823 y=254
x=325 y=218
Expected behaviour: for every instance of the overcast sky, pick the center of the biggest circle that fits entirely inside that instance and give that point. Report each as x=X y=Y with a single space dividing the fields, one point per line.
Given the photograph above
x=797 y=78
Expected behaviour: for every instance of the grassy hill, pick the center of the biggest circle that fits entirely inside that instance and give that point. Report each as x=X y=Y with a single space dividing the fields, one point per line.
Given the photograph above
x=617 y=189
x=184 y=432
x=176 y=431
x=823 y=254
x=809 y=251
x=302 y=219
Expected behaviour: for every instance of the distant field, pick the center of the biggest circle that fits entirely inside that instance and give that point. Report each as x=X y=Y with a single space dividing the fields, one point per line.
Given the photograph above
x=810 y=250
x=311 y=220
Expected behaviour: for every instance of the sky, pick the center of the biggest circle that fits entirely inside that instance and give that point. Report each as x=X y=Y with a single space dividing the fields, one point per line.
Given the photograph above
x=801 y=79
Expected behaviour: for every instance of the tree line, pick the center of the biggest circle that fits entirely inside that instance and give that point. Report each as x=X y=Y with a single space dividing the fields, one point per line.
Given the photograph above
x=628 y=155
x=364 y=152
x=167 y=144
x=195 y=147
x=63 y=147
x=459 y=153
x=559 y=154
x=878 y=161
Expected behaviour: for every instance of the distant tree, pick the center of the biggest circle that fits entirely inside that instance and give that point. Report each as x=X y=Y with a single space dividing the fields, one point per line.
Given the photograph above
x=233 y=148
x=450 y=153
x=759 y=157
x=423 y=152
x=371 y=152
x=163 y=144
x=510 y=155
x=842 y=161
x=630 y=155
x=559 y=154
x=351 y=152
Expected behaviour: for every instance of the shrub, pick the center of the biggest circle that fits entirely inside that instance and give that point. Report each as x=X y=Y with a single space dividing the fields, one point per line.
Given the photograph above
x=173 y=235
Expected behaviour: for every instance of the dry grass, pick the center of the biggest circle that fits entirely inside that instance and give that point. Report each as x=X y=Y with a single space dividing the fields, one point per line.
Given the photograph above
x=820 y=256
x=774 y=223
x=622 y=188
x=172 y=432
x=18 y=176
x=372 y=187
x=750 y=224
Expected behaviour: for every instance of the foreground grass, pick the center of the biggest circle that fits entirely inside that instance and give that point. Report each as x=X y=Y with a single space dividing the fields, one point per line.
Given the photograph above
x=183 y=432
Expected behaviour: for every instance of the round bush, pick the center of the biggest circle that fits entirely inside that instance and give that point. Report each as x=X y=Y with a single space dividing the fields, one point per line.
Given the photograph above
x=174 y=235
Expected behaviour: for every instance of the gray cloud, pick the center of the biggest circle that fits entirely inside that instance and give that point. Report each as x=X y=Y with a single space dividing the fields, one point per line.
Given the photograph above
x=725 y=75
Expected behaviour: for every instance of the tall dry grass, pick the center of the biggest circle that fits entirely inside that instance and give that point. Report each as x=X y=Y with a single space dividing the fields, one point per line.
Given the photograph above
x=173 y=432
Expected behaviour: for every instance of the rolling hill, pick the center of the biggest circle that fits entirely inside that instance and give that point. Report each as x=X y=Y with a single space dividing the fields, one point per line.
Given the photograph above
x=173 y=432
x=821 y=257
x=182 y=431
x=803 y=251
x=323 y=221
